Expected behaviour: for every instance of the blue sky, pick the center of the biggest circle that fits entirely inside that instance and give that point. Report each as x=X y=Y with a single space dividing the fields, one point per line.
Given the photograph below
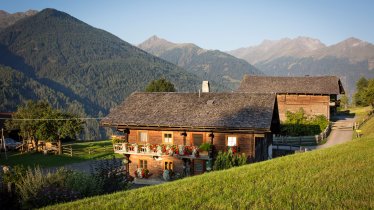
x=223 y=25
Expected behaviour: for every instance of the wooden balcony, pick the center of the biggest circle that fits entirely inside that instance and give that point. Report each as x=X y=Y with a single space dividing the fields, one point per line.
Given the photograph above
x=158 y=150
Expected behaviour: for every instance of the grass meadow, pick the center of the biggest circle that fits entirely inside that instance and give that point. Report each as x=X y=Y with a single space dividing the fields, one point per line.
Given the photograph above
x=82 y=151
x=340 y=177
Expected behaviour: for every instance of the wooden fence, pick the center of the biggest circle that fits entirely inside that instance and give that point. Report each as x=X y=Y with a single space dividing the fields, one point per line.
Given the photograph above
x=67 y=150
x=364 y=119
x=302 y=140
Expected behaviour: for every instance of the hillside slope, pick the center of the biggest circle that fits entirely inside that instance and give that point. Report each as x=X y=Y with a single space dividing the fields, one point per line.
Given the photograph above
x=84 y=63
x=17 y=88
x=340 y=177
x=212 y=65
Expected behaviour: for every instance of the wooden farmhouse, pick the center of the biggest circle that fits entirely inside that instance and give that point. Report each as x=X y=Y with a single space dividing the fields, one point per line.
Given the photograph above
x=316 y=95
x=164 y=130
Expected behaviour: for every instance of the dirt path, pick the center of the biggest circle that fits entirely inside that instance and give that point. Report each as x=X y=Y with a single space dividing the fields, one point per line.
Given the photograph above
x=342 y=131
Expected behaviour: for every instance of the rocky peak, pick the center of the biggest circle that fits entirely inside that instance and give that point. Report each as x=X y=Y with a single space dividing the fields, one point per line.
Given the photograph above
x=154 y=42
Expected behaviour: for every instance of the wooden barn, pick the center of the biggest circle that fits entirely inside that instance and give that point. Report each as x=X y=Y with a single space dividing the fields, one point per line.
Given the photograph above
x=163 y=130
x=316 y=95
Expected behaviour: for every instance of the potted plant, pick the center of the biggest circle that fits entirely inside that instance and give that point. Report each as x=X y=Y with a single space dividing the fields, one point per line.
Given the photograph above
x=148 y=147
x=142 y=173
x=204 y=148
x=136 y=148
x=195 y=152
x=181 y=149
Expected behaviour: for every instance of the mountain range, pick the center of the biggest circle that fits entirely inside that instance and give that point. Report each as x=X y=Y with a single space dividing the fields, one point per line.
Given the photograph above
x=349 y=59
x=7 y=19
x=52 y=56
x=55 y=57
x=212 y=65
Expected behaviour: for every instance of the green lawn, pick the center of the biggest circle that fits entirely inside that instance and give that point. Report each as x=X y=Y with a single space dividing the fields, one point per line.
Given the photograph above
x=82 y=151
x=340 y=177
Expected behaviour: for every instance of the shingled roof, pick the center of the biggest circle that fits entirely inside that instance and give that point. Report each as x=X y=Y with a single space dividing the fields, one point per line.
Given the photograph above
x=236 y=111
x=298 y=85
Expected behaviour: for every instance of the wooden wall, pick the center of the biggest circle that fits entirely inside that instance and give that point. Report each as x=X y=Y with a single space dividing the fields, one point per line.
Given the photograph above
x=312 y=104
x=246 y=142
x=155 y=166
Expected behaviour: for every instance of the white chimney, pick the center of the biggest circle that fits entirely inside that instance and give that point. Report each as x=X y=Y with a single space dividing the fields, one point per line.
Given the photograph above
x=205 y=87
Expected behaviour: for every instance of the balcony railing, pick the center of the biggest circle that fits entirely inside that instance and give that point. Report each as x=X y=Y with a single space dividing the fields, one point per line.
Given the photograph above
x=159 y=150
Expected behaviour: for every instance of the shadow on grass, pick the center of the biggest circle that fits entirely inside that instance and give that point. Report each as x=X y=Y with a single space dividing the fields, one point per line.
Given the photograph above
x=32 y=159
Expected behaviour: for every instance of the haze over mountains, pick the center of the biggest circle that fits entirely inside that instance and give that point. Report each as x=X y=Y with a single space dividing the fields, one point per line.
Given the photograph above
x=349 y=59
x=212 y=65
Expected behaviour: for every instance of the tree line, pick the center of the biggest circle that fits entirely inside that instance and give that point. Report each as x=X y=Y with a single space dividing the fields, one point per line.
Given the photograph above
x=365 y=92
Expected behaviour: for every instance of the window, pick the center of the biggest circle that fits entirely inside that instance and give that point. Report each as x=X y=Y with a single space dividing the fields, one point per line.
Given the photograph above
x=167 y=138
x=168 y=165
x=231 y=141
x=143 y=136
x=143 y=164
x=197 y=139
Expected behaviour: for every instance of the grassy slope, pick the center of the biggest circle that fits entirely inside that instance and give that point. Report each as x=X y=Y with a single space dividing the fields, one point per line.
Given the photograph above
x=361 y=113
x=368 y=128
x=99 y=150
x=335 y=178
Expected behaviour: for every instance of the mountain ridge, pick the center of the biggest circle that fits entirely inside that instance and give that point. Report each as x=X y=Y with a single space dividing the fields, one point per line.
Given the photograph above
x=84 y=64
x=212 y=65
x=303 y=47
x=8 y=19
x=349 y=59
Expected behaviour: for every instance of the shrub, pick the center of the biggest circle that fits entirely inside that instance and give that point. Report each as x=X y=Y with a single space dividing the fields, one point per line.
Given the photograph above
x=14 y=174
x=205 y=146
x=83 y=183
x=300 y=124
x=226 y=160
x=37 y=189
x=111 y=175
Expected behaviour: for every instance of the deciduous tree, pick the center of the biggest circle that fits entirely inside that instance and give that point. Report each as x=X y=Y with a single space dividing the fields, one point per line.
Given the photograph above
x=38 y=120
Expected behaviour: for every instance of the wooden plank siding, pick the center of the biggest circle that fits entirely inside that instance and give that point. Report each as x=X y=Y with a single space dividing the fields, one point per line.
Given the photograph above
x=246 y=143
x=312 y=104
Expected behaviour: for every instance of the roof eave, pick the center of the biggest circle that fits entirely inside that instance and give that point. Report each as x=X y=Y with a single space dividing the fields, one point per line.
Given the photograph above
x=216 y=129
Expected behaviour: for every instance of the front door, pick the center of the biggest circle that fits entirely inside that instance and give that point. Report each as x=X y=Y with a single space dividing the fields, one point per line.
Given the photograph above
x=259 y=148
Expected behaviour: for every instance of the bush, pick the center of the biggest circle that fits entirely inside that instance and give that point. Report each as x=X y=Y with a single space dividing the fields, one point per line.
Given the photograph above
x=111 y=175
x=300 y=124
x=37 y=189
x=14 y=174
x=205 y=146
x=226 y=160
x=83 y=183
